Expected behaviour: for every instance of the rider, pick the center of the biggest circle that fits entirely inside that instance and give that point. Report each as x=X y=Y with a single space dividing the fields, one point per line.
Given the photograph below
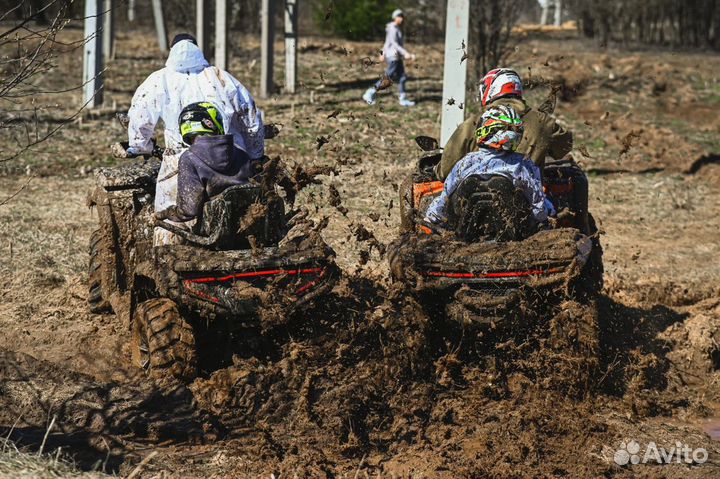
x=393 y=53
x=211 y=164
x=498 y=135
x=188 y=78
x=543 y=135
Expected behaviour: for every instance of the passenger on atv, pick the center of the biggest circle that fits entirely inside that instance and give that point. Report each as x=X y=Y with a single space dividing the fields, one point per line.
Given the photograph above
x=209 y=166
x=494 y=192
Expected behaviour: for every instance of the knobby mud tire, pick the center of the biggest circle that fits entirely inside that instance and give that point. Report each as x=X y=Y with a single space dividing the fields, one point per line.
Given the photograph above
x=163 y=342
x=96 y=302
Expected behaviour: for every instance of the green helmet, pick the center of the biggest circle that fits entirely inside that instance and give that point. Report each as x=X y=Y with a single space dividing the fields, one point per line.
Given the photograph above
x=199 y=119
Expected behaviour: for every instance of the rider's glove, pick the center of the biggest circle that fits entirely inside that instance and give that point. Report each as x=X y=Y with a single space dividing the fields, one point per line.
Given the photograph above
x=119 y=150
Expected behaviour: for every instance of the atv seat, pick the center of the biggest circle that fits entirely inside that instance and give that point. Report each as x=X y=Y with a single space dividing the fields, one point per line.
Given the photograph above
x=489 y=207
x=231 y=217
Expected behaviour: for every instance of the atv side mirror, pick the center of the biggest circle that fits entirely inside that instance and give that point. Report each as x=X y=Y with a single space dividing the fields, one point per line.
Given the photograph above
x=427 y=143
x=272 y=130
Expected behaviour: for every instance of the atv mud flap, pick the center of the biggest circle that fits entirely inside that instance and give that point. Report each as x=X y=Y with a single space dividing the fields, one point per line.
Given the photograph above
x=239 y=283
x=486 y=282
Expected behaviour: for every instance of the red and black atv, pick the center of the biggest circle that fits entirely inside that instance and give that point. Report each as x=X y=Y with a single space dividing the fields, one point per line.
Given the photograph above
x=236 y=265
x=495 y=264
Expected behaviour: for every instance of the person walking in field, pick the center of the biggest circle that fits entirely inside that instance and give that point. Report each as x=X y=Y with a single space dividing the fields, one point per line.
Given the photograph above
x=188 y=78
x=394 y=54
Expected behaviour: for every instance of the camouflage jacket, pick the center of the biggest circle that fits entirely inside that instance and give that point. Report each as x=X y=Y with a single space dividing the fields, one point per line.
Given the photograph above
x=543 y=136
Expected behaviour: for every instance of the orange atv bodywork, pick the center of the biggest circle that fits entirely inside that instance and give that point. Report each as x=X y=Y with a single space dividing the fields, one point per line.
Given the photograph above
x=420 y=191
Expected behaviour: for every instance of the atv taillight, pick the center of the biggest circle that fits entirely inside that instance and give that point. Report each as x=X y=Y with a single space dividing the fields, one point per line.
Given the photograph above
x=496 y=275
x=564 y=188
x=255 y=274
x=209 y=287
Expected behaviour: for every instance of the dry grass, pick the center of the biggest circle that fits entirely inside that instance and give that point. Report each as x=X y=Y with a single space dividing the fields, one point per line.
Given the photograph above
x=16 y=464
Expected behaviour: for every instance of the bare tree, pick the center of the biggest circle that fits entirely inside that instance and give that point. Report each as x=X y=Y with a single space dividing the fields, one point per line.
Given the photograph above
x=690 y=23
x=491 y=26
x=30 y=49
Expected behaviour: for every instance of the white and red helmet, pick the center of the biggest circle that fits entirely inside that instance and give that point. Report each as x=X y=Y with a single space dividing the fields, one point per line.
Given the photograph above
x=499 y=83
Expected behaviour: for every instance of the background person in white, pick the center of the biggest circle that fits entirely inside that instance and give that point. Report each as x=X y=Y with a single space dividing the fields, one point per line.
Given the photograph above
x=188 y=78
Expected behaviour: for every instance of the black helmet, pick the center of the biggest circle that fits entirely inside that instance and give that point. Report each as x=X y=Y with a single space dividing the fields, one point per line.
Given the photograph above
x=198 y=119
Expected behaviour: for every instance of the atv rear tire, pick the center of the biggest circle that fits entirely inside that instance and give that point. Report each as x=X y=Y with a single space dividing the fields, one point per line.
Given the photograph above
x=96 y=302
x=163 y=342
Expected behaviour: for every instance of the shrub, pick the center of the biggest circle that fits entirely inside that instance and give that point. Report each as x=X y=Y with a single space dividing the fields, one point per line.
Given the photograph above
x=354 y=19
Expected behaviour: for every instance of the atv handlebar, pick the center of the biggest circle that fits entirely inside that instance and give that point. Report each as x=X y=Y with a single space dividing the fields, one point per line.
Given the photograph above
x=120 y=150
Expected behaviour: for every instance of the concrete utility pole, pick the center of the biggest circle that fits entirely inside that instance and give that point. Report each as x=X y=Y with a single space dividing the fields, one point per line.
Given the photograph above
x=455 y=72
x=160 y=25
x=109 y=29
x=202 y=25
x=291 y=38
x=131 y=10
x=221 y=28
x=545 y=7
x=92 y=54
x=268 y=35
x=558 y=12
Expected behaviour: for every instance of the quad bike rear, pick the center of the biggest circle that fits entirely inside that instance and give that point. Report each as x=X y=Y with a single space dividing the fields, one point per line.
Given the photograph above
x=496 y=271
x=235 y=270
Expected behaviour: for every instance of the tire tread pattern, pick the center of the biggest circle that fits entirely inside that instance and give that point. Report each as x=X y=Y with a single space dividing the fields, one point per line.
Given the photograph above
x=170 y=340
x=96 y=302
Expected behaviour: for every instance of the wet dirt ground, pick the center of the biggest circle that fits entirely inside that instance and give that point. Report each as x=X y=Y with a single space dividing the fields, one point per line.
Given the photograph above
x=367 y=385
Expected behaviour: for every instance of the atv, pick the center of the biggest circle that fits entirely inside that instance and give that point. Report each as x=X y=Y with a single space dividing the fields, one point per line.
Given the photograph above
x=236 y=268
x=496 y=264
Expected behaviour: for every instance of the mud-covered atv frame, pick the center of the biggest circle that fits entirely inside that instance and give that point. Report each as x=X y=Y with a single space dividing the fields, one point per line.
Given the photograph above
x=166 y=294
x=489 y=281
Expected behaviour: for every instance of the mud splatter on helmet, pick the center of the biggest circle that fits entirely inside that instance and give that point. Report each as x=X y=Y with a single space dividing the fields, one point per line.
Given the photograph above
x=499 y=83
x=199 y=119
x=501 y=128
